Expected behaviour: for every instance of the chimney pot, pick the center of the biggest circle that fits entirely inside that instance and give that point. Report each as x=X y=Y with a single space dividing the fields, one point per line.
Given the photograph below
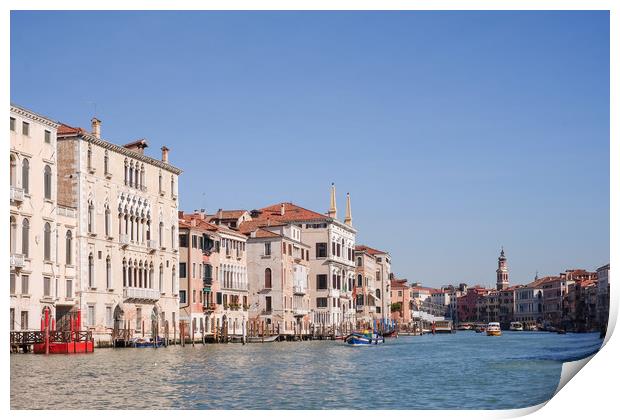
x=282 y=209
x=95 y=124
x=164 y=154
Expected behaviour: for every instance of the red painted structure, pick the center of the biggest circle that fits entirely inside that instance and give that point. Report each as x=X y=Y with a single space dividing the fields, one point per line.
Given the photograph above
x=63 y=342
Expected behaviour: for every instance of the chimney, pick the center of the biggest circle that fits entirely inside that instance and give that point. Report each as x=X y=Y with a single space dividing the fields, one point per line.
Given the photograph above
x=253 y=234
x=282 y=210
x=95 y=124
x=164 y=154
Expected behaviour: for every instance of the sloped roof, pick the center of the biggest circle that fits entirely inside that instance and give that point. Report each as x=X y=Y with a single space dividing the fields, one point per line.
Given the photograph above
x=371 y=251
x=292 y=212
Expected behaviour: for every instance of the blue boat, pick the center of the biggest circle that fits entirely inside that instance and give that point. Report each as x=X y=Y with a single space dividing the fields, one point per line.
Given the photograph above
x=364 y=338
x=142 y=343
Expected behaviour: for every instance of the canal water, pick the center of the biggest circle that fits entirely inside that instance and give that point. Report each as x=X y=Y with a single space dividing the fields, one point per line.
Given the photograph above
x=456 y=371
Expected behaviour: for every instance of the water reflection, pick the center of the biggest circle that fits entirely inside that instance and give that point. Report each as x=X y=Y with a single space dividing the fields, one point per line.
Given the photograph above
x=430 y=372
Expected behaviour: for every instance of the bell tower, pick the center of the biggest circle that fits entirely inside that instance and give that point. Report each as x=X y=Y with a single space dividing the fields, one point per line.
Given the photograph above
x=502 y=271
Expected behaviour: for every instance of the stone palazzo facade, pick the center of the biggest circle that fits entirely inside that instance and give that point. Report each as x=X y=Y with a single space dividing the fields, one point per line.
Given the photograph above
x=126 y=240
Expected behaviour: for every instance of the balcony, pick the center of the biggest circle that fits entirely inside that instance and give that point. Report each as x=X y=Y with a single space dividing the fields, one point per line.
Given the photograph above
x=209 y=307
x=345 y=295
x=17 y=194
x=359 y=308
x=372 y=309
x=299 y=290
x=299 y=312
x=334 y=293
x=136 y=294
x=124 y=240
x=151 y=244
x=17 y=261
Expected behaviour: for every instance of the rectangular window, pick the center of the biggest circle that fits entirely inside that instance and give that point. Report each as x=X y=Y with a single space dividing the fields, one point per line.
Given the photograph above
x=108 y=317
x=91 y=315
x=12 y=124
x=47 y=286
x=69 y=289
x=25 y=281
x=182 y=296
x=321 y=250
x=321 y=281
x=48 y=136
x=218 y=298
x=183 y=240
x=12 y=283
x=182 y=270
x=138 y=319
x=194 y=241
x=24 y=320
x=12 y=319
x=193 y=269
x=194 y=296
x=268 y=248
x=25 y=128
x=321 y=302
x=268 y=303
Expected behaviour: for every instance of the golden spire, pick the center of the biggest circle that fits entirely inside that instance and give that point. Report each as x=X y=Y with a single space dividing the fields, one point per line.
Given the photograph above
x=348 y=220
x=332 y=203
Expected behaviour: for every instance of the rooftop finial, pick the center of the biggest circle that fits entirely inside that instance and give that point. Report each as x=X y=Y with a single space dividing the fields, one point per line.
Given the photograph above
x=348 y=220
x=332 y=203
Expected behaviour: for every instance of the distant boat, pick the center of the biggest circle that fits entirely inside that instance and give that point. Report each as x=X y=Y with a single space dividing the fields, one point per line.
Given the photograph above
x=493 y=329
x=480 y=328
x=444 y=326
x=516 y=326
x=145 y=343
x=364 y=338
x=464 y=327
x=391 y=333
x=267 y=339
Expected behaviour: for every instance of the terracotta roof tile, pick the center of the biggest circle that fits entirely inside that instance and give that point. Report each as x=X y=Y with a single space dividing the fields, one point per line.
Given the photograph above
x=371 y=251
x=292 y=212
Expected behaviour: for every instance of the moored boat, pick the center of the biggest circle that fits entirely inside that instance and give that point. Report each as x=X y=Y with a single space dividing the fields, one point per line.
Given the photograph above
x=516 y=326
x=364 y=338
x=268 y=339
x=493 y=329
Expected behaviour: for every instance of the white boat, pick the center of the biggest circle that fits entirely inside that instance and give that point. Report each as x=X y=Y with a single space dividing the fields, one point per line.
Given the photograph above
x=516 y=326
x=494 y=329
x=266 y=339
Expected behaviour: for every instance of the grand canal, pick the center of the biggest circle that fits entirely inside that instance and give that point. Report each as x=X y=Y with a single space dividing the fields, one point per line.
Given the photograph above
x=459 y=371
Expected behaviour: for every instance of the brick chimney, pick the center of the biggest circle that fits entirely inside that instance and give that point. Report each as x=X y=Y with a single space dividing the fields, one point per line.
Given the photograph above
x=95 y=124
x=164 y=154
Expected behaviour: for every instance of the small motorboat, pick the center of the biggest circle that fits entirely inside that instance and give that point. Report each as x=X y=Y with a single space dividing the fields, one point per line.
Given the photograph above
x=364 y=338
x=480 y=328
x=493 y=329
x=145 y=343
x=266 y=339
x=516 y=326
x=390 y=334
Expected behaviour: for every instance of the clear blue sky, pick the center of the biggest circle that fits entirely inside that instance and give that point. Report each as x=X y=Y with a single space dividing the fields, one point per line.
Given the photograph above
x=454 y=132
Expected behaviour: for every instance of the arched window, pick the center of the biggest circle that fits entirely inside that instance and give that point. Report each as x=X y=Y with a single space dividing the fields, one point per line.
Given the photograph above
x=172 y=185
x=47 y=182
x=108 y=272
x=161 y=278
x=161 y=234
x=160 y=183
x=131 y=174
x=13 y=234
x=25 y=175
x=68 y=247
x=174 y=280
x=89 y=156
x=359 y=280
x=91 y=217
x=91 y=270
x=124 y=272
x=359 y=261
x=151 y=275
x=267 y=278
x=47 y=242
x=25 y=237
x=378 y=293
x=13 y=171
x=173 y=233
x=106 y=163
x=126 y=172
x=107 y=221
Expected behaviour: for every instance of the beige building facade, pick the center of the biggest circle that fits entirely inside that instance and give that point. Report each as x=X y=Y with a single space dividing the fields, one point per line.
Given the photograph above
x=127 y=232
x=42 y=245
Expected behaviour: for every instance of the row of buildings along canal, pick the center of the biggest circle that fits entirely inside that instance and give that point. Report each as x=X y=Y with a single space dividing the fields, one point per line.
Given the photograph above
x=96 y=227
